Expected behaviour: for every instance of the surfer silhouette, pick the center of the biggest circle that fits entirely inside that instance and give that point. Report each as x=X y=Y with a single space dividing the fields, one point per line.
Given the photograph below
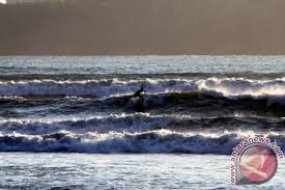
x=140 y=94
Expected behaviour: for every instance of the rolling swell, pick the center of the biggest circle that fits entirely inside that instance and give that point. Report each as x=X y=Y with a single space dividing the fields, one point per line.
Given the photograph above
x=136 y=133
x=185 y=103
x=137 y=123
x=162 y=141
x=105 y=88
x=233 y=88
x=181 y=113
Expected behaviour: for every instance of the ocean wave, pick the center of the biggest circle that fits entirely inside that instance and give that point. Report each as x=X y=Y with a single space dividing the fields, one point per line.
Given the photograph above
x=227 y=87
x=161 y=141
x=139 y=122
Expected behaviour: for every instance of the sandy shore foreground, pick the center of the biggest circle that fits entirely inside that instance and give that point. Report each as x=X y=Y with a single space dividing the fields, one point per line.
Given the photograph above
x=93 y=27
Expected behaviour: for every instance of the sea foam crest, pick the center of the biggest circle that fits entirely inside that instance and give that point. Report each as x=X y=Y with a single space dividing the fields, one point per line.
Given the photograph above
x=233 y=88
x=161 y=141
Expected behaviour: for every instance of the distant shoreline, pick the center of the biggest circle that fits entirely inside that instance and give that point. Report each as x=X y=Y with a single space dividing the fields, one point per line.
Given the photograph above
x=144 y=27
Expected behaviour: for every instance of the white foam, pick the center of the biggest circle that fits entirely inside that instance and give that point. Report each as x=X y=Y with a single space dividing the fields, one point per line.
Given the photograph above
x=233 y=88
x=161 y=141
x=114 y=123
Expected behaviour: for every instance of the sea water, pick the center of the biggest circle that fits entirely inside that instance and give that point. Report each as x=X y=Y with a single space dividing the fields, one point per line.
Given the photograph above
x=72 y=123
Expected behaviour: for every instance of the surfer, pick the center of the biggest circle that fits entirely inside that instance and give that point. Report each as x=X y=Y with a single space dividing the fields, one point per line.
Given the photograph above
x=140 y=93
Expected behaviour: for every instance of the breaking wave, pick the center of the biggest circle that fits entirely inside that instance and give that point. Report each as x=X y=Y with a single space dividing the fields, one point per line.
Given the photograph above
x=233 y=88
x=135 y=133
x=139 y=122
x=161 y=141
x=153 y=132
x=107 y=88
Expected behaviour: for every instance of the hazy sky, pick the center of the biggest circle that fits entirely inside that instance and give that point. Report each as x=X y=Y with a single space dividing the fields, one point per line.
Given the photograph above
x=144 y=27
x=27 y=1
